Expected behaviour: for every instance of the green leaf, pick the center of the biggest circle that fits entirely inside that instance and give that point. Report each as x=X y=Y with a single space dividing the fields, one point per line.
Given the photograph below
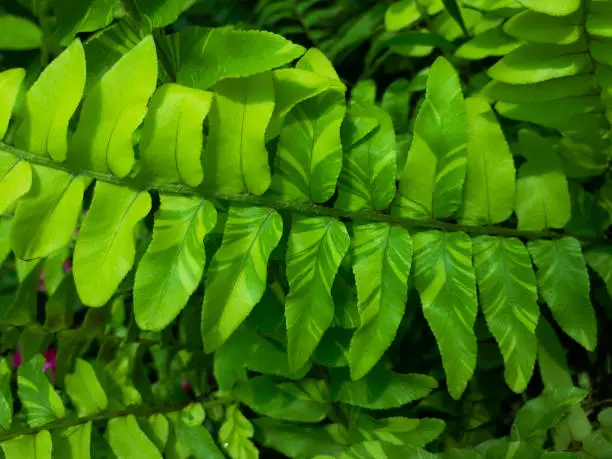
x=296 y=440
x=305 y=401
x=50 y=104
x=533 y=63
x=367 y=180
x=196 y=438
x=599 y=258
x=364 y=92
x=19 y=33
x=6 y=395
x=382 y=256
x=85 y=390
x=237 y=275
x=563 y=281
x=588 y=217
x=552 y=7
x=317 y=246
x=432 y=181
x=552 y=361
x=541 y=413
x=157 y=428
x=105 y=248
x=35 y=446
x=488 y=193
x=127 y=439
x=401 y=14
x=74 y=16
x=397 y=430
x=15 y=179
x=380 y=389
x=309 y=156
x=41 y=403
x=541 y=28
x=508 y=297
x=46 y=218
x=542 y=194
x=235 y=434
x=172 y=267
x=10 y=83
x=113 y=109
x=73 y=442
x=236 y=159
x=22 y=310
x=209 y=55
x=445 y=280
x=171 y=138
x=59 y=309
x=492 y=42
x=545 y=91
x=162 y=13
x=453 y=10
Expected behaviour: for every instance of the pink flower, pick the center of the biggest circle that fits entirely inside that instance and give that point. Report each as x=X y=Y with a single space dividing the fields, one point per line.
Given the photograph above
x=50 y=356
x=186 y=385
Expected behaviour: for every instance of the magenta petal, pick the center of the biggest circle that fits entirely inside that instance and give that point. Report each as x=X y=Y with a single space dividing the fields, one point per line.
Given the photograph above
x=17 y=359
x=50 y=356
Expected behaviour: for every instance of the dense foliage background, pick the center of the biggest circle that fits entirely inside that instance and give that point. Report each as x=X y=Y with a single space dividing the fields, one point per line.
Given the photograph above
x=305 y=228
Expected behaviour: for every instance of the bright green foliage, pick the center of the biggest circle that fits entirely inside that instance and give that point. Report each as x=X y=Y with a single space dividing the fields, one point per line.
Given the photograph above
x=106 y=240
x=49 y=106
x=317 y=245
x=18 y=33
x=10 y=82
x=444 y=277
x=352 y=240
x=380 y=389
x=113 y=109
x=45 y=220
x=15 y=180
x=171 y=138
x=235 y=435
x=307 y=401
x=508 y=297
x=382 y=257
x=368 y=177
x=432 y=181
x=564 y=283
x=127 y=439
x=237 y=275
x=489 y=184
x=172 y=266
x=209 y=55
x=542 y=195
x=85 y=390
x=31 y=446
x=41 y=403
x=234 y=163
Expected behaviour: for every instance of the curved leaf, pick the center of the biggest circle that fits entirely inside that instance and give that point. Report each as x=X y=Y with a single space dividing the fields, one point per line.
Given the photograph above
x=444 y=277
x=432 y=181
x=171 y=138
x=542 y=194
x=10 y=83
x=105 y=249
x=306 y=401
x=41 y=403
x=209 y=55
x=113 y=109
x=309 y=156
x=35 y=446
x=564 y=283
x=382 y=256
x=126 y=439
x=380 y=389
x=508 y=297
x=50 y=104
x=237 y=274
x=317 y=246
x=85 y=390
x=488 y=194
x=15 y=179
x=73 y=442
x=600 y=259
x=367 y=180
x=6 y=395
x=173 y=264
x=235 y=435
x=552 y=7
x=46 y=218
x=236 y=160
x=19 y=33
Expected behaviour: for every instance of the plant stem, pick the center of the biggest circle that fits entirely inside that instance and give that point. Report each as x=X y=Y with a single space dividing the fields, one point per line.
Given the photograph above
x=136 y=410
x=305 y=208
